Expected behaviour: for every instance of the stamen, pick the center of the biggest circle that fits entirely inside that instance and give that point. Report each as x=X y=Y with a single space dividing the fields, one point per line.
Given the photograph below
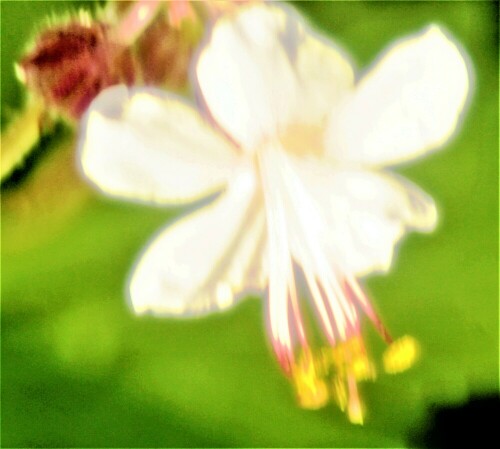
x=350 y=364
x=339 y=392
x=339 y=316
x=401 y=355
x=356 y=294
x=363 y=369
x=354 y=408
x=280 y=273
x=351 y=357
x=313 y=260
x=331 y=373
x=347 y=306
x=320 y=305
x=280 y=329
x=296 y=310
x=311 y=389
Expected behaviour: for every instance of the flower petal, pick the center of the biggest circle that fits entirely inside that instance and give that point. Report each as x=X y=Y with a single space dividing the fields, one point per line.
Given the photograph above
x=409 y=104
x=202 y=262
x=147 y=145
x=263 y=69
x=365 y=213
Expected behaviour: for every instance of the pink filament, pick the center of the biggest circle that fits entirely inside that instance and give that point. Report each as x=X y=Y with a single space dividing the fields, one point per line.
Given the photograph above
x=355 y=293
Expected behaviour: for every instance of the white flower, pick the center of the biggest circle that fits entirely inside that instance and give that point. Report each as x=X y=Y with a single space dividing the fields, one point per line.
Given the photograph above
x=297 y=147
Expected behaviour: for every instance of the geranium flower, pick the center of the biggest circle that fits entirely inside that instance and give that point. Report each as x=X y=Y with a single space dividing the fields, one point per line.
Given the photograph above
x=297 y=148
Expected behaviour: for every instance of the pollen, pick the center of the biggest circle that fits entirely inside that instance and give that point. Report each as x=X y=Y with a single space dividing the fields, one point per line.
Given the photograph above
x=330 y=374
x=339 y=393
x=350 y=357
x=363 y=369
x=401 y=355
x=311 y=389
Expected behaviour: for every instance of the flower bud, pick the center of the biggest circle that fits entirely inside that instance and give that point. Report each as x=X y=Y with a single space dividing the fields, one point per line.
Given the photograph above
x=165 y=49
x=72 y=63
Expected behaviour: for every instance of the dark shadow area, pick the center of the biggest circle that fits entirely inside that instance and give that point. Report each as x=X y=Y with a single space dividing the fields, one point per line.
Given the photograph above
x=452 y=426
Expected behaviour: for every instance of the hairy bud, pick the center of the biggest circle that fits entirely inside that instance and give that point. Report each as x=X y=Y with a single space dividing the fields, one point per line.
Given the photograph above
x=72 y=63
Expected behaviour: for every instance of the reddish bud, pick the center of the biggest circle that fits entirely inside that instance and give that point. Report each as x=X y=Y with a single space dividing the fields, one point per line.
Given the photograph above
x=164 y=54
x=71 y=64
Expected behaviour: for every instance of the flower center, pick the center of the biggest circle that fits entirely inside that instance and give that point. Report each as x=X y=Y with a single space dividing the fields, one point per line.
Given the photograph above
x=330 y=372
x=303 y=140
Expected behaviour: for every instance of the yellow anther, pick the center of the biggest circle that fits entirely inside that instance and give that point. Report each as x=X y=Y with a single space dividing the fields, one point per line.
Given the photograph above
x=331 y=373
x=349 y=357
x=311 y=389
x=363 y=369
x=401 y=355
x=339 y=392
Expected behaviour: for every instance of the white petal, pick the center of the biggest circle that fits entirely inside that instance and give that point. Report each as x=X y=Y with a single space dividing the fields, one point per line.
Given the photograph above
x=325 y=76
x=202 y=262
x=263 y=69
x=365 y=213
x=409 y=104
x=147 y=145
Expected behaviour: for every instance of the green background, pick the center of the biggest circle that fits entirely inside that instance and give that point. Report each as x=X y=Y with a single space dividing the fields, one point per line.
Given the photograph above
x=79 y=369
